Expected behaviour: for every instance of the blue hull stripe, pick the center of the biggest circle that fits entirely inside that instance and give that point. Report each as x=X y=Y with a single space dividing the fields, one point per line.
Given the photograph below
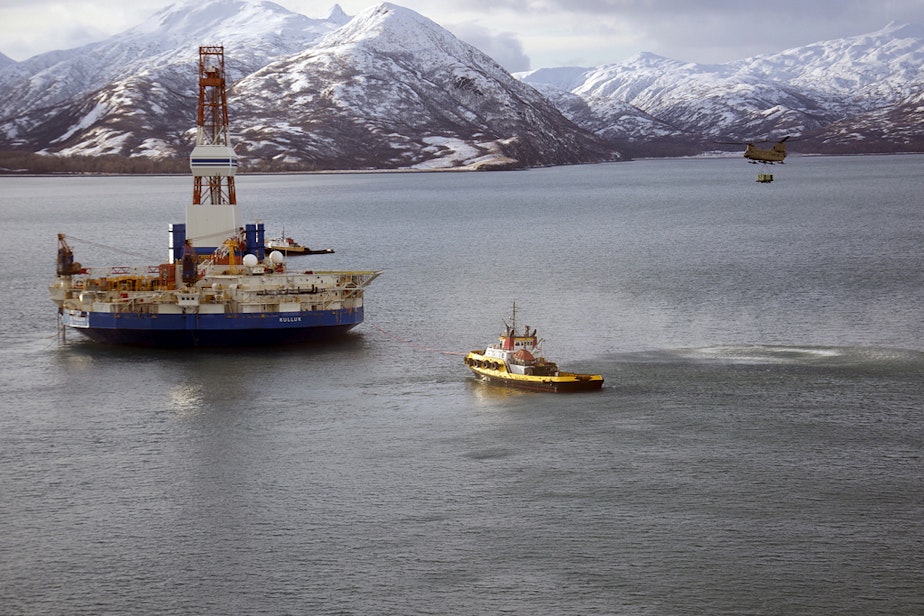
x=239 y=329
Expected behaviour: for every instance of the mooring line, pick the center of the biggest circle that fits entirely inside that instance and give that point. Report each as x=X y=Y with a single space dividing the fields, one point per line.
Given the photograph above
x=112 y=248
x=414 y=344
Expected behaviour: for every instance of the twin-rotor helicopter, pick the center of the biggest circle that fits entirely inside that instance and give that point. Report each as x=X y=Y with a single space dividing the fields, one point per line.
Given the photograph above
x=765 y=156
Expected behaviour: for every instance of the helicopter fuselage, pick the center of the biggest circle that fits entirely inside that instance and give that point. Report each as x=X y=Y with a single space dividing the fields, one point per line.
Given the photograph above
x=776 y=154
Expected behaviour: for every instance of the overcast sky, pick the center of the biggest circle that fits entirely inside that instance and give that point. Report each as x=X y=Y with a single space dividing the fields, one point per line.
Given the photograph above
x=523 y=34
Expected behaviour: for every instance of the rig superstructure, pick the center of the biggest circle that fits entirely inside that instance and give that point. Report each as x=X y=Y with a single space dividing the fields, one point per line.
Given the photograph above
x=217 y=286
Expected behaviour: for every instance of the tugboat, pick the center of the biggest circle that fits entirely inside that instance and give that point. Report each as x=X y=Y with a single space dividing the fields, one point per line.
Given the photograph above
x=516 y=362
x=289 y=247
x=218 y=287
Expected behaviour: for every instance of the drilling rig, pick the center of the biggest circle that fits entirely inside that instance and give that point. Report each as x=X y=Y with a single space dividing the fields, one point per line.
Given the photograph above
x=218 y=287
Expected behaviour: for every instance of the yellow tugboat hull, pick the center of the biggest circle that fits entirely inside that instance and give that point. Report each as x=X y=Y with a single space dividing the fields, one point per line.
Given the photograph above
x=491 y=370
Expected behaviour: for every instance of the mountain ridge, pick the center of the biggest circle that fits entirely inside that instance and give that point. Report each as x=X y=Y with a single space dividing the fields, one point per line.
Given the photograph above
x=816 y=91
x=390 y=88
x=448 y=104
x=474 y=115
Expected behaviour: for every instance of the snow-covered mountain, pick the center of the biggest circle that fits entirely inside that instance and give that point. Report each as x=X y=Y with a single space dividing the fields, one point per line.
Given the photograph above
x=393 y=89
x=836 y=92
x=92 y=99
x=388 y=88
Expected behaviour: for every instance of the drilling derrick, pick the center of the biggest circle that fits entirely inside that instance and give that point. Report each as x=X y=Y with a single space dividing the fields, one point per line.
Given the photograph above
x=213 y=160
x=214 y=215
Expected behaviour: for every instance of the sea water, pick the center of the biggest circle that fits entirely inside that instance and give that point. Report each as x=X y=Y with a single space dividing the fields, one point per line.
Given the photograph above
x=757 y=447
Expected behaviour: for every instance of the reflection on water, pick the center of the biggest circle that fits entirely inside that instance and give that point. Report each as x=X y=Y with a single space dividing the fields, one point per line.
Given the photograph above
x=186 y=400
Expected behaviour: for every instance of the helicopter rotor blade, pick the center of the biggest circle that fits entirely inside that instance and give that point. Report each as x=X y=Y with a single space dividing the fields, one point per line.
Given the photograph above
x=759 y=141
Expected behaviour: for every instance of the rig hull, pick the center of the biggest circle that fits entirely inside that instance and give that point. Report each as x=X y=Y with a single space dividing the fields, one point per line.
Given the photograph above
x=242 y=306
x=210 y=330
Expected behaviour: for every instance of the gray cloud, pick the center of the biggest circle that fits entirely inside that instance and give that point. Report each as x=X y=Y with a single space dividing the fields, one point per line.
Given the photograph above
x=714 y=30
x=505 y=47
x=522 y=32
x=29 y=27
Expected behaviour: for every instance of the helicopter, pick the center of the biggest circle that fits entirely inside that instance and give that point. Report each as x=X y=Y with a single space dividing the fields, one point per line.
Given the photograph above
x=764 y=156
x=776 y=154
x=767 y=156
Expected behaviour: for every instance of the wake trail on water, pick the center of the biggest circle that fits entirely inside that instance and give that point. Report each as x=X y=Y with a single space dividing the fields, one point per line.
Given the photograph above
x=793 y=355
